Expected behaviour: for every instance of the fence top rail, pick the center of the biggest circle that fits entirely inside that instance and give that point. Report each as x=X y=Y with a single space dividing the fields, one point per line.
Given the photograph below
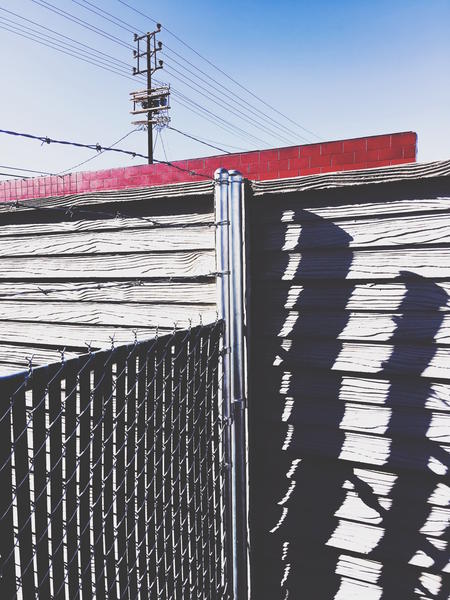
x=175 y=190
x=60 y=369
x=399 y=173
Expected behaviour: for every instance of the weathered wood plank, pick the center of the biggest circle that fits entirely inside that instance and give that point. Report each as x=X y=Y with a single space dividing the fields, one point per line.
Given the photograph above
x=118 y=223
x=19 y=357
x=376 y=420
x=361 y=358
x=361 y=578
x=413 y=295
x=75 y=336
x=364 y=569
x=96 y=313
x=364 y=539
x=379 y=488
x=366 y=327
x=155 y=292
x=365 y=265
x=299 y=209
x=383 y=484
x=380 y=175
x=321 y=385
x=105 y=266
x=366 y=449
x=126 y=241
x=354 y=508
x=364 y=233
x=144 y=194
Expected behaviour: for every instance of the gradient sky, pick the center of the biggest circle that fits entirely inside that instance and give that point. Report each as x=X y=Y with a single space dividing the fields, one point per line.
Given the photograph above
x=341 y=69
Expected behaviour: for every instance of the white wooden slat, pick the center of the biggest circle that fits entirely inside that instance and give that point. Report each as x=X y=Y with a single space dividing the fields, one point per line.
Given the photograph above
x=364 y=539
x=114 y=314
x=376 y=485
x=354 y=508
x=100 y=242
x=381 y=175
x=119 y=223
x=75 y=335
x=164 y=265
x=364 y=569
x=365 y=265
x=189 y=190
x=299 y=209
x=20 y=357
x=409 y=230
x=156 y=292
x=364 y=418
x=409 y=295
x=362 y=358
x=366 y=327
x=321 y=385
x=383 y=484
x=366 y=449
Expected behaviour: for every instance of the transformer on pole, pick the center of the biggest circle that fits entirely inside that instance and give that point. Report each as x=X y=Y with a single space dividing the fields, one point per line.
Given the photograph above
x=152 y=102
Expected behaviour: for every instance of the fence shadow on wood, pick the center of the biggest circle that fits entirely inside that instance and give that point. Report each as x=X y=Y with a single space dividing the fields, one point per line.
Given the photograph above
x=304 y=465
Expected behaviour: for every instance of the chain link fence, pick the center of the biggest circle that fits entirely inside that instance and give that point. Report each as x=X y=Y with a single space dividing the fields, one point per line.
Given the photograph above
x=114 y=474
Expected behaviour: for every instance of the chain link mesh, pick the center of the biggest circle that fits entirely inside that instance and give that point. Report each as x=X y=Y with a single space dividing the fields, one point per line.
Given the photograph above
x=114 y=476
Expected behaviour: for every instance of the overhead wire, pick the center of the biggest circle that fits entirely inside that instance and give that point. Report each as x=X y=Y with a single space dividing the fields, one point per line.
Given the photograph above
x=26 y=170
x=223 y=103
x=75 y=19
x=104 y=64
x=192 y=137
x=127 y=27
x=99 y=148
x=175 y=36
x=67 y=52
x=71 y=39
x=98 y=153
x=15 y=176
x=243 y=104
x=57 y=44
x=118 y=69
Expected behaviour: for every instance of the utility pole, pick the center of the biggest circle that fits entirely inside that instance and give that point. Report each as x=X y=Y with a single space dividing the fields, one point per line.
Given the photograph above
x=154 y=102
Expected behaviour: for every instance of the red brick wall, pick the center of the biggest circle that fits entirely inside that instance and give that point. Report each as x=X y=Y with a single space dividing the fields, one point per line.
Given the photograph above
x=343 y=155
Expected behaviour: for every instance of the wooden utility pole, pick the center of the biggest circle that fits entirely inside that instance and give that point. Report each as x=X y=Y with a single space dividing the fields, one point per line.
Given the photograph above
x=152 y=101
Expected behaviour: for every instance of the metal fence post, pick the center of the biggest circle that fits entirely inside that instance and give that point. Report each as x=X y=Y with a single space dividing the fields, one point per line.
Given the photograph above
x=238 y=380
x=222 y=219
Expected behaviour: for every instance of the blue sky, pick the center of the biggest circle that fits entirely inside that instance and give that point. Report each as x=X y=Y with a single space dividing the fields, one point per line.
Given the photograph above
x=340 y=69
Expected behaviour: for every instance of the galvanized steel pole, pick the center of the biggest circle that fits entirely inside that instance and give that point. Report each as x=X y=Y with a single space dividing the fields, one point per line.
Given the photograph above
x=229 y=213
x=222 y=219
x=238 y=380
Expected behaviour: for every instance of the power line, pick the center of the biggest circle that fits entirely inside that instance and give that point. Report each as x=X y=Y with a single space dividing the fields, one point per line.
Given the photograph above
x=197 y=139
x=235 y=111
x=82 y=22
x=67 y=52
x=220 y=70
x=57 y=44
x=230 y=96
x=101 y=63
x=70 y=169
x=115 y=68
x=15 y=176
x=99 y=148
x=127 y=27
x=184 y=100
x=26 y=170
x=71 y=39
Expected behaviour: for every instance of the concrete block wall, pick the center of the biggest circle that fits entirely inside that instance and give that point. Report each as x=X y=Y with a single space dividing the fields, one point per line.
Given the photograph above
x=309 y=159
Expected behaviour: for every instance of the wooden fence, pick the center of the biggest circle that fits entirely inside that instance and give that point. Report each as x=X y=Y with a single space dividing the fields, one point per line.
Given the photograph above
x=81 y=269
x=350 y=385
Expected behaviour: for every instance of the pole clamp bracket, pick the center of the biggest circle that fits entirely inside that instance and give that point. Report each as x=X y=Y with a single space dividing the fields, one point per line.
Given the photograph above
x=239 y=404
